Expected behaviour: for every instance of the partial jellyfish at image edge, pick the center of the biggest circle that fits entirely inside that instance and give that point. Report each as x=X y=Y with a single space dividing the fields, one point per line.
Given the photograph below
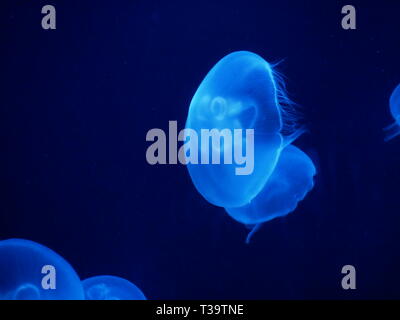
x=31 y=271
x=393 y=130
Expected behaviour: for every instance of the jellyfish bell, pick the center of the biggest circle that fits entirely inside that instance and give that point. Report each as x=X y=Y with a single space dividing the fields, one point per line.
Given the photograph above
x=290 y=182
x=239 y=94
x=111 y=288
x=30 y=271
x=393 y=130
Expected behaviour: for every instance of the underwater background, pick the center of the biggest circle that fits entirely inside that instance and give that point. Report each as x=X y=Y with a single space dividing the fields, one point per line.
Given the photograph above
x=77 y=102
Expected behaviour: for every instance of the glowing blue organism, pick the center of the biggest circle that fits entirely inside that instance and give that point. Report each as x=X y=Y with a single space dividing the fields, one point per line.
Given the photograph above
x=394 y=129
x=30 y=271
x=241 y=91
x=290 y=182
x=111 y=288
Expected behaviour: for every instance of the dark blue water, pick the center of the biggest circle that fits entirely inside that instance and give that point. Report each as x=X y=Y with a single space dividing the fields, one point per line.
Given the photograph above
x=76 y=104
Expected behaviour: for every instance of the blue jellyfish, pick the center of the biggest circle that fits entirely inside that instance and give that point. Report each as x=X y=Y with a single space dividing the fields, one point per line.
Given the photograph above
x=394 y=129
x=30 y=271
x=242 y=107
x=290 y=182
x=111 y=288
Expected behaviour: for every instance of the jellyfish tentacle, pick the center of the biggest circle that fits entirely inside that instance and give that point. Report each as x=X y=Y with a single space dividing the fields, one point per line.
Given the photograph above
x=392 y=131
x=287 y=140
x=23 y=262
x=391 y=126
x=255 y=228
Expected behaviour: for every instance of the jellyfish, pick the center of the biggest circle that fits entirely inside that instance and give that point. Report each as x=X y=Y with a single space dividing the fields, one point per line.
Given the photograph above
x=242 y=107
x=111 y=288
x=30 y=271
x=290 y=182
x=393 y=130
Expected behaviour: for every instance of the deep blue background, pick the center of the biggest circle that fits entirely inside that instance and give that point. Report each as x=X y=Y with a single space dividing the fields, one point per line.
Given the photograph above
x=76 y=104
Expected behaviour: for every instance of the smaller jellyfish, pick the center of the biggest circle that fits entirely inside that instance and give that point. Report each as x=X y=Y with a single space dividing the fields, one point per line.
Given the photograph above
x=393 y=130
x=292 y=179
x=30 y=271
x=111 y=288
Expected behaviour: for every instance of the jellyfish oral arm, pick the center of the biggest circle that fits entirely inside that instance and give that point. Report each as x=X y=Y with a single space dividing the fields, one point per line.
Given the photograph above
x=254 y=229
x=287 y=140
x=392 y=130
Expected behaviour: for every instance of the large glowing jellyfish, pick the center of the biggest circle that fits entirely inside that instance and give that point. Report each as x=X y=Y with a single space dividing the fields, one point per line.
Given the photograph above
x=239 y=105
x=394 y=129
x=30 y=271
x=111 y=288
x=290 y=182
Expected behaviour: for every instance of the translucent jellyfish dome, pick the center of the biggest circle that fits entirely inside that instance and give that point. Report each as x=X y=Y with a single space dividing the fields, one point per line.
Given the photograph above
x=240 y=100
x=393 y=130
x=30 y=271
x=290 y=182
x=111 y=288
